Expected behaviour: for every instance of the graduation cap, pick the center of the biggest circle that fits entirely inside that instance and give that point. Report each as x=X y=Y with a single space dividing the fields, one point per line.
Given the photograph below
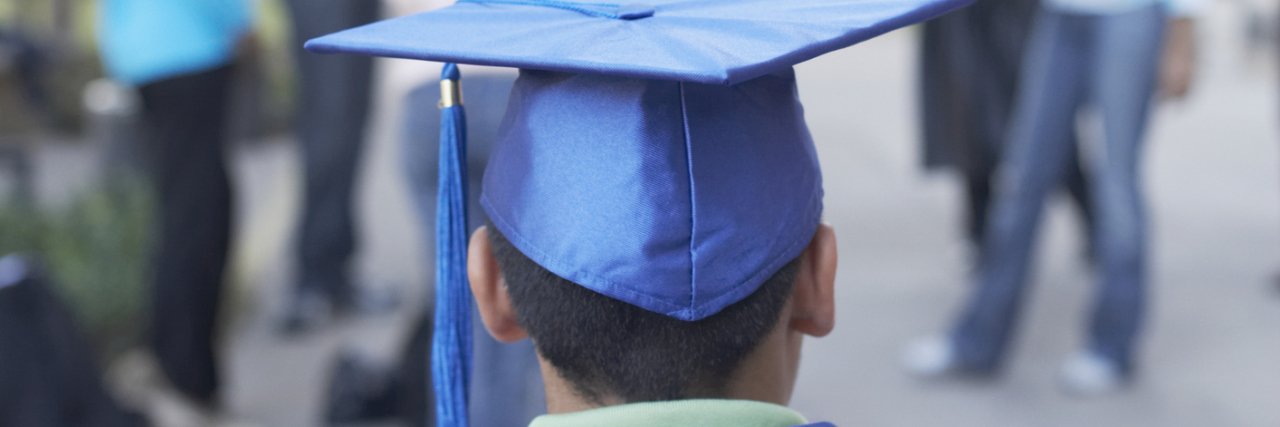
x=654 y=153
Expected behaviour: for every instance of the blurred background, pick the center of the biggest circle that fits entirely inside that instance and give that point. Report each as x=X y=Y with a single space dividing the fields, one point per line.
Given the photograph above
x=81 y=214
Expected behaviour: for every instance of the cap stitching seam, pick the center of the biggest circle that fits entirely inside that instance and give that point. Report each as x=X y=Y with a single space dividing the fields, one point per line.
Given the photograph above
x=784 y=256
x=693 y=210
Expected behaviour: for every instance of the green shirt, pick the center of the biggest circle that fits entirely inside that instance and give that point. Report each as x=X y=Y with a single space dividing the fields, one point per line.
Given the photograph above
x=701 y=413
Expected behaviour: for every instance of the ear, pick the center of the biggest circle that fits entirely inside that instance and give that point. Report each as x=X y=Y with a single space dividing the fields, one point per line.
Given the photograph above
x=813 y=305
x=490 y=290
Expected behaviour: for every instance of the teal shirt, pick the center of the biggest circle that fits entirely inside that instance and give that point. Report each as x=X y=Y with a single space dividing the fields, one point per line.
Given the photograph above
x=701 y=413
x=147 y=40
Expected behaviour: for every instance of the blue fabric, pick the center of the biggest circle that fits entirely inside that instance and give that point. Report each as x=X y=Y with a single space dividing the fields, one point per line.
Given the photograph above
x=598 y=10
x=680 y=198
x=148 y=40
x=1074 y=61
x=703 y=41
x=451 y=343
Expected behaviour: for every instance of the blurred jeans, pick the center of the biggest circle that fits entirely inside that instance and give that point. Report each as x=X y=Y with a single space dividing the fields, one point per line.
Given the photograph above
x=1107 y=64
x=333 y=105
x=506 y=384
x=969 y=66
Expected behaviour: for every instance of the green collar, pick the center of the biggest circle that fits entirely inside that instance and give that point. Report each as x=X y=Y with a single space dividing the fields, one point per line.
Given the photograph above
x=702 y=413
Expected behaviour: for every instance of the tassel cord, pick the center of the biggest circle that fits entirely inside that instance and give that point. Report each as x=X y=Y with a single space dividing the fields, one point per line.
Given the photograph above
x=451 y=343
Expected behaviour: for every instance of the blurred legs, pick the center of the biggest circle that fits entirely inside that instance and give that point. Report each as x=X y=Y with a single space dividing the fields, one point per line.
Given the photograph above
x=1128 y=54
x=187 y=116
x=333 y=104
x=1110 y=59
x=1052 y=87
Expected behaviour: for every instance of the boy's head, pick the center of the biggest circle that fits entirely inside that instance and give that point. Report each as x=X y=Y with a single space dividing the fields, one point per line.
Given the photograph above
x=661 y=241
x=601 y=351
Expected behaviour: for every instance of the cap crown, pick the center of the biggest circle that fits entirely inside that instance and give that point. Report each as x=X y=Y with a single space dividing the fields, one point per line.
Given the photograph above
x=680 y=198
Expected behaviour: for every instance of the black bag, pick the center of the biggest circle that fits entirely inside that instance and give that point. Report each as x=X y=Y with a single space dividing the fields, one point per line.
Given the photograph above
x=48 y=375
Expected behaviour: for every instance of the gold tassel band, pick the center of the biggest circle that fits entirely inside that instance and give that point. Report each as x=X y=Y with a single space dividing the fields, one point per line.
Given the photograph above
x=450 y=93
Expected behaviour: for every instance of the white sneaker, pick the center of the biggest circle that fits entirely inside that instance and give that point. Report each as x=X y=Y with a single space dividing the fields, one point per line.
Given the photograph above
x=930 y=357
x=1088 y=374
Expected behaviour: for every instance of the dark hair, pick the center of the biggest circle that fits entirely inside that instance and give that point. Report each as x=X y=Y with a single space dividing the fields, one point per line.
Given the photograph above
x=605 y=347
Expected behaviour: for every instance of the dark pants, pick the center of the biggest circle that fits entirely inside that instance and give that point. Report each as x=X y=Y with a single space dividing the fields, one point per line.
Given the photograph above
x=333 y=105
x=187 y=120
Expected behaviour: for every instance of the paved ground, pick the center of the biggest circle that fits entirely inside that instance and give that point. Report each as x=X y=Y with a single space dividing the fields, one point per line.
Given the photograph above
x=1212 y=350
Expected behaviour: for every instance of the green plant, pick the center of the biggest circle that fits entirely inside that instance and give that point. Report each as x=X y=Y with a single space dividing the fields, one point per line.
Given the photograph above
x=21 y=229
x=96 y=252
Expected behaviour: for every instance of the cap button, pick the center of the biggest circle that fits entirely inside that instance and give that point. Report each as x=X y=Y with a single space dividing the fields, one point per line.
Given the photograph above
x=632 y=11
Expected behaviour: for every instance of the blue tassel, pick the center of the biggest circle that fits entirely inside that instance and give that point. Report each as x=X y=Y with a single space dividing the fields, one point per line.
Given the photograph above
x=451 y=344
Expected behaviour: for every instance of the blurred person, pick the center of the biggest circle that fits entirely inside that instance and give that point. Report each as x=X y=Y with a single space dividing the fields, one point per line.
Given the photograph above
x=28 y=61
x=1113 y=57
x=1275 y=32
x=506 y=384
x=970 y=62
x=48 y=374
x=332 y=111
x=179 y=54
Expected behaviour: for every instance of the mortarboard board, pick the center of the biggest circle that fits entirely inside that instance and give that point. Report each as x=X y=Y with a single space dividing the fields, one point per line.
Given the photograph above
x=654 y=153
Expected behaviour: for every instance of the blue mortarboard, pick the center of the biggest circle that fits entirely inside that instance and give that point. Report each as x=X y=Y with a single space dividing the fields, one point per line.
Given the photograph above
x=656 y=154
